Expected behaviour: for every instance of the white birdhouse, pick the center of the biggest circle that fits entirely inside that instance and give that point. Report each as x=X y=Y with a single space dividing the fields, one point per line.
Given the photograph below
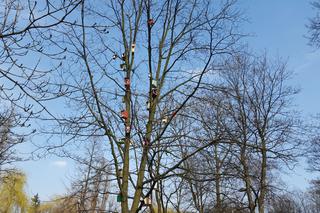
x=147 y=201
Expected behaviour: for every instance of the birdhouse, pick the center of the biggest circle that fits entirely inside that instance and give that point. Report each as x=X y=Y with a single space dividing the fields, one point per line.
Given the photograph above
x=127 y=82
x=122 y=141
x=124 y=114
x=165 y=120
x=154 y=92
x=123 y=66
x=120 y=175
x=147 y=201
x=154 y=83
x=123 y=57
x=150 y=22
x=128 y=129
x=119 y=198
x=133 y=46
x=148 y=105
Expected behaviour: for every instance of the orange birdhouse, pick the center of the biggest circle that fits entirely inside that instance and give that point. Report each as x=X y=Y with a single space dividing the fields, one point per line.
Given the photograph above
x=150 y=22
x=124 y=114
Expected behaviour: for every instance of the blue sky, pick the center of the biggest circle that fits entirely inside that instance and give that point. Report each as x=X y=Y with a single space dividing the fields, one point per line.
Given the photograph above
x=277 y=27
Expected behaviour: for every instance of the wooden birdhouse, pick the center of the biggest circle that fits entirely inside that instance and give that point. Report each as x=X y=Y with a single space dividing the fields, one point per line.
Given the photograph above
x=133 y=46
x=122 y=141
x=124 y=114
x=147 y=201
x=123 y=66
x=123 y=57
x=119 y=198
x=154 y=92
x=120 y=174
x=127 y=82
x=150 y=22
x=154 y=83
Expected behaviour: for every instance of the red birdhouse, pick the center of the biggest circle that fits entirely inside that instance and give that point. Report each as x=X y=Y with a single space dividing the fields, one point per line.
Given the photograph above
x=124 y=114
x=150 y=22
x=127 y=82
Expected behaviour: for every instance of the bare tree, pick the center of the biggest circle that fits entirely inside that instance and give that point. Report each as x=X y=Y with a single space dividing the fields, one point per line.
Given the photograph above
x=11 y=136
x=314 y=26
x=264 y=125
x=134 y=56
x=24 y=52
